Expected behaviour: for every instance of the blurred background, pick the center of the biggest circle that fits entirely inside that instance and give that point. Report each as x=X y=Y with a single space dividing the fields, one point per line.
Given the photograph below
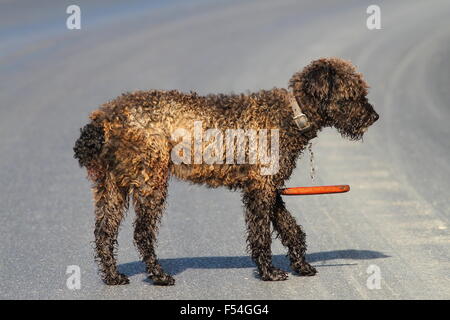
x=396 y=216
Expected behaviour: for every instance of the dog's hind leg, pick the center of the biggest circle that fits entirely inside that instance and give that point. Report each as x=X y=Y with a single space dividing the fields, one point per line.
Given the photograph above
x=292 y=237
x=149 y=201
x=259 y=204
x=110 y=205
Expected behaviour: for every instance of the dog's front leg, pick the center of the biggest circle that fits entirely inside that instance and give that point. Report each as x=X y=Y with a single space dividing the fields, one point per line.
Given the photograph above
x=292 y=237
x=259 y=205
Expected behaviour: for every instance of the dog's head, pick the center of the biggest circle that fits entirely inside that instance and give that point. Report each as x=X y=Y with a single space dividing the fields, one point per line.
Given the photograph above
x=335 y=95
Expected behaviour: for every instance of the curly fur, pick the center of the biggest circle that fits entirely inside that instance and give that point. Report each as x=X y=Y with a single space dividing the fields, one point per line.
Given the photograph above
x=126 y=150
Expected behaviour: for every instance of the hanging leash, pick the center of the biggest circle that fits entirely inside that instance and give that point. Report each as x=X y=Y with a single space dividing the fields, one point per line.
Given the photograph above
x=312 y=171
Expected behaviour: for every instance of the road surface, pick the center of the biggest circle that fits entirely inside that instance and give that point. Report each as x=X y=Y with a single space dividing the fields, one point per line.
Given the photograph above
x=394 y=221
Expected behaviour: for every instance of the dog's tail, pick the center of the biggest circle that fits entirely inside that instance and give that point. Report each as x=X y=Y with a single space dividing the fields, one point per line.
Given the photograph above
x=88 y=148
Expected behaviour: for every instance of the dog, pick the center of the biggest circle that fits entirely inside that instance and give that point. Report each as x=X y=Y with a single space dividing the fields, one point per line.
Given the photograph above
x=128 y=151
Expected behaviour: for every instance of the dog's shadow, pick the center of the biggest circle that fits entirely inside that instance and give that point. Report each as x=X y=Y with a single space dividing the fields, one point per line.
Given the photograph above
x=177 y=265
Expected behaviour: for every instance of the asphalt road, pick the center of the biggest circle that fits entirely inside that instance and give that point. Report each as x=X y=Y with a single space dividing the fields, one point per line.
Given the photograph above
x=396 y=217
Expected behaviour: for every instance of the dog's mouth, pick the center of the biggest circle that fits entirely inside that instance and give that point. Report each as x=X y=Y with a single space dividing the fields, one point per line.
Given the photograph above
x=365 y=127
x=355 y=129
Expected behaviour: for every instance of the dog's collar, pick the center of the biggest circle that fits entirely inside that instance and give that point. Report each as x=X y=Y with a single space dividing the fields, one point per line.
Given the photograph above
x=300 y=119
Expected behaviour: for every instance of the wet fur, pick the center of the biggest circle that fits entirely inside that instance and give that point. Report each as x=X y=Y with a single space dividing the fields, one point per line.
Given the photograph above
x=126 y=150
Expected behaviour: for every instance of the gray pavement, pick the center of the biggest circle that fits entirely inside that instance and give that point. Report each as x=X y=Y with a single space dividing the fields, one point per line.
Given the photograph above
x=396 y=217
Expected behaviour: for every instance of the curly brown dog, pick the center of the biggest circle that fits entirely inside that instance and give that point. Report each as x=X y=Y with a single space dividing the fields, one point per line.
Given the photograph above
x=128 y=147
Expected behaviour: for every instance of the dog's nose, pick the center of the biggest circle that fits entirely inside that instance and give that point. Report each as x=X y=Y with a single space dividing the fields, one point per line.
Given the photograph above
x=375 y=117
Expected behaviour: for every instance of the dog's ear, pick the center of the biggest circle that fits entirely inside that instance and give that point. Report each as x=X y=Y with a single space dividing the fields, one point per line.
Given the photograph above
x=328 y=79
x=314 y=80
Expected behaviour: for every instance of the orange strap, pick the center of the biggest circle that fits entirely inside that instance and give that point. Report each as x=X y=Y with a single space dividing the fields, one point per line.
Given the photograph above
x=314 y=190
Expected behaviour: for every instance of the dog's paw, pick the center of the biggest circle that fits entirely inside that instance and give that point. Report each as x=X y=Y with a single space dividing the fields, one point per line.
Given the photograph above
x=117 y=279
x=163 y=280
x=304 y=269
x=274 y=274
